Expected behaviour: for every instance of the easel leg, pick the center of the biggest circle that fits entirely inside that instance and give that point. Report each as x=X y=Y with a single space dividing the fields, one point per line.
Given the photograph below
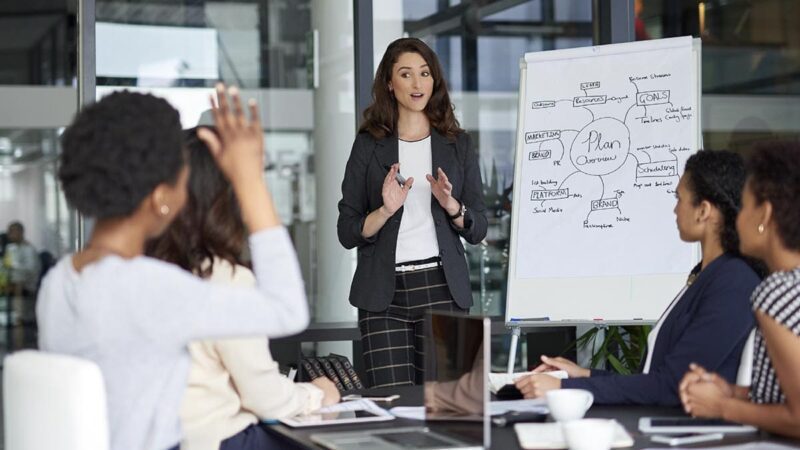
x=512 y=352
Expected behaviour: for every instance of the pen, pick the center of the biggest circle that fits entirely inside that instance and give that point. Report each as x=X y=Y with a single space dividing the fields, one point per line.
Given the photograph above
x=400 y=179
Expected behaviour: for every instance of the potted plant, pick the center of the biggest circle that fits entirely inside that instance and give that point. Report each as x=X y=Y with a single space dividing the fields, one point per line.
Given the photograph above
x=620 y=348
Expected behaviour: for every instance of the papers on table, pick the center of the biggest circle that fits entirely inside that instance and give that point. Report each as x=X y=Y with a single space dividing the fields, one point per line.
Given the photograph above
x=499 y=407
x=498 y=380
x=355 y=405
x=550 y=436
x=496 y=408
x=409 y=412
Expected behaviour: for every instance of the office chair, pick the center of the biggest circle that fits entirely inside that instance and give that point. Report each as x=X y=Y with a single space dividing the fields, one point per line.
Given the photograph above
x=745 y=374
x=53 y=401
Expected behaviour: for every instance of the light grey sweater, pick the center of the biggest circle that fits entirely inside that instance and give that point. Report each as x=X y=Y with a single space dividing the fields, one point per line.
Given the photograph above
x=135 y=317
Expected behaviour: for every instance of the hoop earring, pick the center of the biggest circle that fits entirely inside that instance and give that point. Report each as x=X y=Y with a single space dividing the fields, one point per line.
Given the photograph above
x=164 y=210
x=760 y=228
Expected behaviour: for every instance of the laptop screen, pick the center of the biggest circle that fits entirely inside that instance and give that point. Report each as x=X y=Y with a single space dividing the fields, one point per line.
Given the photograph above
x=456 y=375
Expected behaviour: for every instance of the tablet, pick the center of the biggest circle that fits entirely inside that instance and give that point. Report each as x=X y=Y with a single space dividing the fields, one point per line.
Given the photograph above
x=672 y=425
x=342 y=413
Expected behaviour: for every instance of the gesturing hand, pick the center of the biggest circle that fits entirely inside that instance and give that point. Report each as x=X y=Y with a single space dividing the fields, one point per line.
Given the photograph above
x=393 y=194
x=238 y=144
x=442 y=190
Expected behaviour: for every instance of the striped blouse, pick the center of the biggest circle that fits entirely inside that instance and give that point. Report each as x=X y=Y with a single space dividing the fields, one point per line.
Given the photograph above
x=778 y=296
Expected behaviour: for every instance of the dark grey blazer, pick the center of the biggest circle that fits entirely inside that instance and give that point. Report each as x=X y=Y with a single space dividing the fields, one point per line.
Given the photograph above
x=373 y=282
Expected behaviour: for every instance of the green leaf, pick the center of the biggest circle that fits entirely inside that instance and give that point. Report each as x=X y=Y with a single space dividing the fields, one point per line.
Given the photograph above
x=621 y=349
x=618 y=366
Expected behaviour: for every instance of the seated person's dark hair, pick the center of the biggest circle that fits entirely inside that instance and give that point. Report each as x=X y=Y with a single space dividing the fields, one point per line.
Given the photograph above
x=718 y=177
x=117 y=151
x=774 y=175
x=210 y=225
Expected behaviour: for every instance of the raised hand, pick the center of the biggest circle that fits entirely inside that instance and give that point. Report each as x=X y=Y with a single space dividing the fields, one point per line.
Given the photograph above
x=559 y=363
x=238 y=145
x=238 y=149
x=393 y=194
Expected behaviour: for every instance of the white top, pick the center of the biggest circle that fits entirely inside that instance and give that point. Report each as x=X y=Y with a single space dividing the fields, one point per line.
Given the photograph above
x=417 y=237
x=651 y=338
x=235 y=382
x=135 y=317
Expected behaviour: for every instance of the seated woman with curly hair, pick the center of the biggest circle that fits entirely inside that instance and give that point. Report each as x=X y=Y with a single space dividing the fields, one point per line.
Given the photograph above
x=124 y=164
x=769 y=226
x=233 y=383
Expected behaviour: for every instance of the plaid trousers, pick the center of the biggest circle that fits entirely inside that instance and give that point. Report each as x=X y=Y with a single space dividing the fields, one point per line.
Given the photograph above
x=393 y=339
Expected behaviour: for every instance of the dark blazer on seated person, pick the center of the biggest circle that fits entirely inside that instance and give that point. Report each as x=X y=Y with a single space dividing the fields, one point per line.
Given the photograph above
x=708 y=326
x=373 y=282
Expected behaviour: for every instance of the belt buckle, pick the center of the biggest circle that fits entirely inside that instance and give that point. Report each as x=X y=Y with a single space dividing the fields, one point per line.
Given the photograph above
x=407 y=268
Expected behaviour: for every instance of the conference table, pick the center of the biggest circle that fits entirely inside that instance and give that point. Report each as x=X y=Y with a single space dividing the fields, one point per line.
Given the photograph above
x=504 y=437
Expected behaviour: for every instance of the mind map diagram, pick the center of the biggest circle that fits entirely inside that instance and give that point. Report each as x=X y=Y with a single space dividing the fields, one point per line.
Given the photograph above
x=603 y=136
x=614 y=136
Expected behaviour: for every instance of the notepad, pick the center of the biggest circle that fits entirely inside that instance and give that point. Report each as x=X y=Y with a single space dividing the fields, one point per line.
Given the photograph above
x=498 y=380
x=550 y=436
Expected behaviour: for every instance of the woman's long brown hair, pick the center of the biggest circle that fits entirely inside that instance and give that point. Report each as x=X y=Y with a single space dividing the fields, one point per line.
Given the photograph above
x=380 y=118
x=210 y=225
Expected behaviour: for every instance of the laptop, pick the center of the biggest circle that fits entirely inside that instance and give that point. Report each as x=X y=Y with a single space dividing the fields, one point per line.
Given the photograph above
x=456 y=393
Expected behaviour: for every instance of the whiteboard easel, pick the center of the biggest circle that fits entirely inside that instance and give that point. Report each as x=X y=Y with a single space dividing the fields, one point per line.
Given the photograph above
x=602 y=136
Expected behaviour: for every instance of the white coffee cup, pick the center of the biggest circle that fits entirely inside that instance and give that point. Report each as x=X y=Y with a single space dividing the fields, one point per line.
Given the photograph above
x=589 y=434
x=568 y=404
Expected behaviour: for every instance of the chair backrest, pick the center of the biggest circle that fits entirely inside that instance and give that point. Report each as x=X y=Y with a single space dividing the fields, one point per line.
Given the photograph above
x=745 y=374
x=53 y=401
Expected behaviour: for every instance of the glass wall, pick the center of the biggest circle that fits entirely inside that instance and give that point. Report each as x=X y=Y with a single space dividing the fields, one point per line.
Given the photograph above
x=296 y=59
x=751 y=64
x=38 y=96
x=480 y=45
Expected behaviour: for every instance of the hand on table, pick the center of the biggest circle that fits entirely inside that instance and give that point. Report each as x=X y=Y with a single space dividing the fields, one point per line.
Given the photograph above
x=536 y=385
x=559 y=363
x=330 y=395
x=702 y=393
